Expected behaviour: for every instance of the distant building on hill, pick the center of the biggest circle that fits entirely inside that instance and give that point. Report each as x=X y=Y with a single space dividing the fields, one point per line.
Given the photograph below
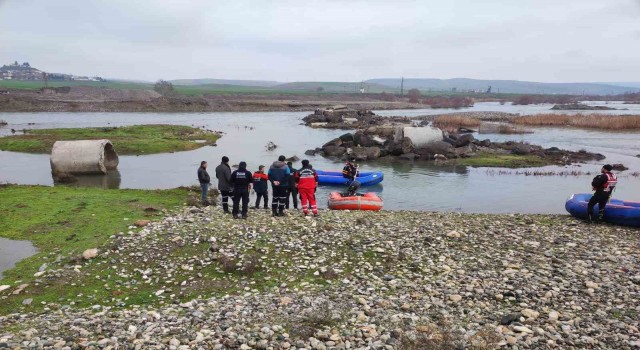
x=24 y=71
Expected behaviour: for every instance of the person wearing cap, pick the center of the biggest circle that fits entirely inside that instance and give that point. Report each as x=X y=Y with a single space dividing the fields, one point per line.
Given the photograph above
x=241 y=180
x=204 y=179
x=260 y=181
x=223 y=174
x=307 y=183
x=603 y=185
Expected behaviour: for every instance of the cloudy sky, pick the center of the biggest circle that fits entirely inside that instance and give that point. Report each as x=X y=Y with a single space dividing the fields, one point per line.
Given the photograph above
x=326 y=40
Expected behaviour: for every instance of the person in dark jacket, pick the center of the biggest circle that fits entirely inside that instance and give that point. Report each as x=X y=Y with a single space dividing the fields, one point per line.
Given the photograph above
x=223 y=174
x=279 y=177
x=260 y=181
x=205 y=180
x=603 y=185
x=350 y=170
x=292 y=191
x=241 y=180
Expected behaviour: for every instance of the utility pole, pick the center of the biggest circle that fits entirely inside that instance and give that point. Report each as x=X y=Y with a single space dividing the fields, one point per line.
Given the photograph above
x=402 y=87
x=45 y=77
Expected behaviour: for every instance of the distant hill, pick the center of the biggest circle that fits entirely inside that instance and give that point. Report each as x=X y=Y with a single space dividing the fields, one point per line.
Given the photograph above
x=192 y=82
x=627 y=84
x=506 y=86
x=336 y=87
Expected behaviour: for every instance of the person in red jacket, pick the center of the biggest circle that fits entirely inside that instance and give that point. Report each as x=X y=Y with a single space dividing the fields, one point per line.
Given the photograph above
x=307 y=182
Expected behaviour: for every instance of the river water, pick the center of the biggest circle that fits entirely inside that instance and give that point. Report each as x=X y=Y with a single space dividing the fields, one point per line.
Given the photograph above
x=12 y=251
x=407 y=185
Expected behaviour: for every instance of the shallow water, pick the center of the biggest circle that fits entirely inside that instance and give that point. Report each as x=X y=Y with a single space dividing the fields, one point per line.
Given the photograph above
x=407 y=185
x=13 y=251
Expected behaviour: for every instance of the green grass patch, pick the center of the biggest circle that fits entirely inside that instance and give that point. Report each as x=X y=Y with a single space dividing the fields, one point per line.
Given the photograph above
x=62 y=222
x=502 y=161
x=136 y=139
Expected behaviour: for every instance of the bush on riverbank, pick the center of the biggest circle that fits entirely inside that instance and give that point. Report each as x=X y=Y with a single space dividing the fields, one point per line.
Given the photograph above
x=448 y=102
x=587 y=121
x=135 y=139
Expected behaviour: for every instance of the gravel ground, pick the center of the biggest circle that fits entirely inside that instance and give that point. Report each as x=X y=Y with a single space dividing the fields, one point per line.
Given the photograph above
x=351 y=280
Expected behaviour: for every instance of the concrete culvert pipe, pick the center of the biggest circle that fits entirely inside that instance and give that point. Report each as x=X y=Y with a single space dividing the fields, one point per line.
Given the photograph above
x=83 y=157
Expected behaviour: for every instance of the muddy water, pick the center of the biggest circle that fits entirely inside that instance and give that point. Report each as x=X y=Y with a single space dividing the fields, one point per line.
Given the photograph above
x=13 y=251
x=407 y=185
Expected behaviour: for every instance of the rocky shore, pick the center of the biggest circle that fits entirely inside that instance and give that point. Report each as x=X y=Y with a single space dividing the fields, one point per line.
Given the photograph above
x=348 y=280
x=403 y=138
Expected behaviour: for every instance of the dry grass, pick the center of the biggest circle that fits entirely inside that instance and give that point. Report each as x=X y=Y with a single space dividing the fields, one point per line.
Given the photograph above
x=587 y=121
x=453 y=122
x=228 y=264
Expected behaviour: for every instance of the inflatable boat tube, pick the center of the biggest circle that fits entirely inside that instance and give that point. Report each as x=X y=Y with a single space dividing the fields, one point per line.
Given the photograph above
x=367 y=201
x=335 y=178
x=616 y=212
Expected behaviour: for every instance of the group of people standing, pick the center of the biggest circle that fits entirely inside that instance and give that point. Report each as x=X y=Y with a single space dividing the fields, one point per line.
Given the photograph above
x=285 y=182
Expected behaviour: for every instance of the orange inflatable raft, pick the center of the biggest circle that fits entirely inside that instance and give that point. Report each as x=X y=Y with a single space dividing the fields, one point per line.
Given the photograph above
x=367 y=201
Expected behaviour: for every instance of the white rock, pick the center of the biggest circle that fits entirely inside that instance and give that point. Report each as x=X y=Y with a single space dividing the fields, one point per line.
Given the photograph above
x=455 y=297
x=554 y=315
x=591 y=284
x=522 y=329
x=528 y=313
x=4 y=287
x=90 y=253
x=454 y=234
x=158 y=293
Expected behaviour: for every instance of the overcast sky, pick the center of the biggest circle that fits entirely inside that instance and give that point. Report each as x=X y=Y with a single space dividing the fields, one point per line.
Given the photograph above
x=330 y=40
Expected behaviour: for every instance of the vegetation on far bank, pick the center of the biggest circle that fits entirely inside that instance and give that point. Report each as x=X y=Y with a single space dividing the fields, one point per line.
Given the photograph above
x=135 y=139
x=65 y=221
x=493 y=160
x=585 y=121
x=452 y=122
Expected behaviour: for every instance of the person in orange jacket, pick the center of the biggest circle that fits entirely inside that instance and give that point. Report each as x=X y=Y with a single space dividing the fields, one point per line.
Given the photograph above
x=307 y=183
x=260 y=181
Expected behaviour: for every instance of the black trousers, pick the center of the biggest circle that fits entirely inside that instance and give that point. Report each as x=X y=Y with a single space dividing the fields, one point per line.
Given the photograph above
x=225 y=199
x=240 y=195
x=601 y=198
x=293 y=192
x=279 y=198
x=262 y=195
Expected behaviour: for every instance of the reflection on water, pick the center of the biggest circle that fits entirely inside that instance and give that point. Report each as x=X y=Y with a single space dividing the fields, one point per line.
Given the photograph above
x=407 y=185
x=109 y=181
x=13 y=251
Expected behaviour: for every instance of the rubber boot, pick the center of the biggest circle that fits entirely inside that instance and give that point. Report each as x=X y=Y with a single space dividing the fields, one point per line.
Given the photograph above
x=601 y=215
x=274 y=212
x=225 y=208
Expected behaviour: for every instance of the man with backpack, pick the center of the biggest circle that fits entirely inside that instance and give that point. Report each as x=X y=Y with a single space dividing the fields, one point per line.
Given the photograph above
x=279 y=176
x=603 y=185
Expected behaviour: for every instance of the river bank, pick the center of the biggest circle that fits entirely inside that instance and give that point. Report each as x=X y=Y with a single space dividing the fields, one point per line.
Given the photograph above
x=135 y=139
x=346 y=279
x=100 y=100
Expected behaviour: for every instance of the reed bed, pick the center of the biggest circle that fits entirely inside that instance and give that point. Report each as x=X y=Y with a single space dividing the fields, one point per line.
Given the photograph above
x=587 y=121
x=564 y=173
x=453 y=122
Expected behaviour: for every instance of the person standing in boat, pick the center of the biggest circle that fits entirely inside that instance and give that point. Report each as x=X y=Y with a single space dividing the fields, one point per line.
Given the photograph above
x=307 y=182
x=350 y=170
x=279 y=176
x=603 y=185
